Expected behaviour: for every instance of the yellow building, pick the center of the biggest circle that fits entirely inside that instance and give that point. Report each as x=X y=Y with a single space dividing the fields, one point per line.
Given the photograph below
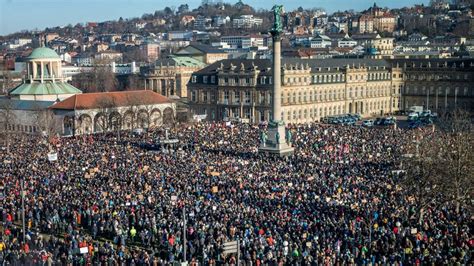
x=311 y=89
x=170 y=76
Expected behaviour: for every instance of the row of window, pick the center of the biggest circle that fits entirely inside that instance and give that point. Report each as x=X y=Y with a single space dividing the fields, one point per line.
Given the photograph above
x=20 y=128
x=415 y=90
x=328 y=78
x=233 y=81
x=429 y=77
x=234 y=97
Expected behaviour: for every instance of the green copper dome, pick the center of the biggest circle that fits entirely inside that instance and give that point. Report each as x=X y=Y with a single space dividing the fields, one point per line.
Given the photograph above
x=43 y=53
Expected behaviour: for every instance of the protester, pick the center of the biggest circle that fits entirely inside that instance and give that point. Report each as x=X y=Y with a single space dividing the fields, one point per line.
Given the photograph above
x=335 y=201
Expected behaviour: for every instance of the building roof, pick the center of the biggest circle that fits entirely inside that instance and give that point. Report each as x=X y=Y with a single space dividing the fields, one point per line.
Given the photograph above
x=26 y=105
x=43 y=53
x=206 y=48
x=117 y=99
x=315 y=64
x=180 y=61
x=46 y=88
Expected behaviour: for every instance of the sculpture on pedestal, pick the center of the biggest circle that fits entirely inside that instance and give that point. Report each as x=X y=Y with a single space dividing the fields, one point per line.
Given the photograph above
x=263 y=138
x=288 y=136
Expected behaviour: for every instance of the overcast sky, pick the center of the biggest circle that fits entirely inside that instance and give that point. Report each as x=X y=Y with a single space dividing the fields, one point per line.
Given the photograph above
x=16 y=15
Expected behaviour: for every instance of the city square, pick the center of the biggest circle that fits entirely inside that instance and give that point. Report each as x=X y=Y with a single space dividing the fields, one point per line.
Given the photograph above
x=226 y=135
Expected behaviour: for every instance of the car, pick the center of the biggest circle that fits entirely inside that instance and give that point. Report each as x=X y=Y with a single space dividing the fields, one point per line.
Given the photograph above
x=356 y=117
x=379 y=121
x=412 y=116
x=368 y=123
x=350 y=122
x=425 y=113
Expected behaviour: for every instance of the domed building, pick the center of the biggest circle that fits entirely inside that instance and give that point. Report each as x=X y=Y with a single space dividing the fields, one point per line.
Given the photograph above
x=44 y=80
x=46 y=104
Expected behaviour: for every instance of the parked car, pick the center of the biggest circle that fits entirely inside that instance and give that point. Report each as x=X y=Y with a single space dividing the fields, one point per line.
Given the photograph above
x=368 y=123
x=412 y=116
x=357 y=117
x=379 y=121
x=425 y=113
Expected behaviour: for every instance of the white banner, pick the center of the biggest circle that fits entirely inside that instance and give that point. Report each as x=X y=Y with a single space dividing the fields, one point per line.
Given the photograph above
x=52 y=156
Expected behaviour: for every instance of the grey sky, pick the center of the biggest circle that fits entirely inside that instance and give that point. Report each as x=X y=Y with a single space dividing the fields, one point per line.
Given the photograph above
x=16 y=15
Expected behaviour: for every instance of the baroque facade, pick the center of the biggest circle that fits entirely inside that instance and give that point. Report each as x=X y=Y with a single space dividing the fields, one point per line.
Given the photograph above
x=169 y=77
x=311 y=89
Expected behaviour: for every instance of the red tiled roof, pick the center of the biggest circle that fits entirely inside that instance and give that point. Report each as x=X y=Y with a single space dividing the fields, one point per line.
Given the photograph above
x=118 y=99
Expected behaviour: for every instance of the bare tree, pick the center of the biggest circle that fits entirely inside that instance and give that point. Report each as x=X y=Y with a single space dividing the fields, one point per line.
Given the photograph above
x=7 y=81
x=99 y=78
x=457 y=157
x=7 y=118
x=133 y=103
x=49 y=126
x=109 y=117
x=441 y=170
x=421 y=180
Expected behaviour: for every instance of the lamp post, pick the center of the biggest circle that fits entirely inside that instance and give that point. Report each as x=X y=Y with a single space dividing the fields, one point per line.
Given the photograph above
x=23 y=209
x=184 y=233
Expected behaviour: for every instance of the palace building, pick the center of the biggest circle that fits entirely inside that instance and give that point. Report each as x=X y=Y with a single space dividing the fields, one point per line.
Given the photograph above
x=311 y=89
x=314 y=88
x=170 y=76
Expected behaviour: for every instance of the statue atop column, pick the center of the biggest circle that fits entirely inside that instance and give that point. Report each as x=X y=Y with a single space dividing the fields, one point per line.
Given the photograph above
x=275 y=139
x=277 y=25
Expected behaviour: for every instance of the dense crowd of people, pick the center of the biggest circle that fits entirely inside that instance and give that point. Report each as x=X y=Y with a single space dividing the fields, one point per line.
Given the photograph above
x=113 y=200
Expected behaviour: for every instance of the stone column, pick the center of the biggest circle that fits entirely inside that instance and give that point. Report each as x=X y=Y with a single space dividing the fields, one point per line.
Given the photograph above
x=276 y=103
x=42 y=71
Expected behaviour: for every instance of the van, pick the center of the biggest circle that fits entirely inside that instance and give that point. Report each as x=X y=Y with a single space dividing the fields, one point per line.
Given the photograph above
x=416 y=109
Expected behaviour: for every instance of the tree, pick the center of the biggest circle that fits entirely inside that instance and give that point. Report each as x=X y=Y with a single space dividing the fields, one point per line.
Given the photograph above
x=168 y=11
x=184 y=8
x=7 y=81
x=99 y=79
x=133 y=103
x=420 y=180
x=133 y=82
x=457 y=157
x=109 y=117
x=48 y=124
x=7 y=118
x=440 y=171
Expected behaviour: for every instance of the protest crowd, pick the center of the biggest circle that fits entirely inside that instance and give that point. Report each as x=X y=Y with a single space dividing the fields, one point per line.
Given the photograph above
x=110 y=200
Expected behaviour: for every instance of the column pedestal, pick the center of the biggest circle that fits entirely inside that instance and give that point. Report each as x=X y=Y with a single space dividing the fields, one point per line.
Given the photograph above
x=276 y=142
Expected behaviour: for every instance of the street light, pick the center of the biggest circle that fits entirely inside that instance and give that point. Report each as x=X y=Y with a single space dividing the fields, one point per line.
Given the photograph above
x=23 y=209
